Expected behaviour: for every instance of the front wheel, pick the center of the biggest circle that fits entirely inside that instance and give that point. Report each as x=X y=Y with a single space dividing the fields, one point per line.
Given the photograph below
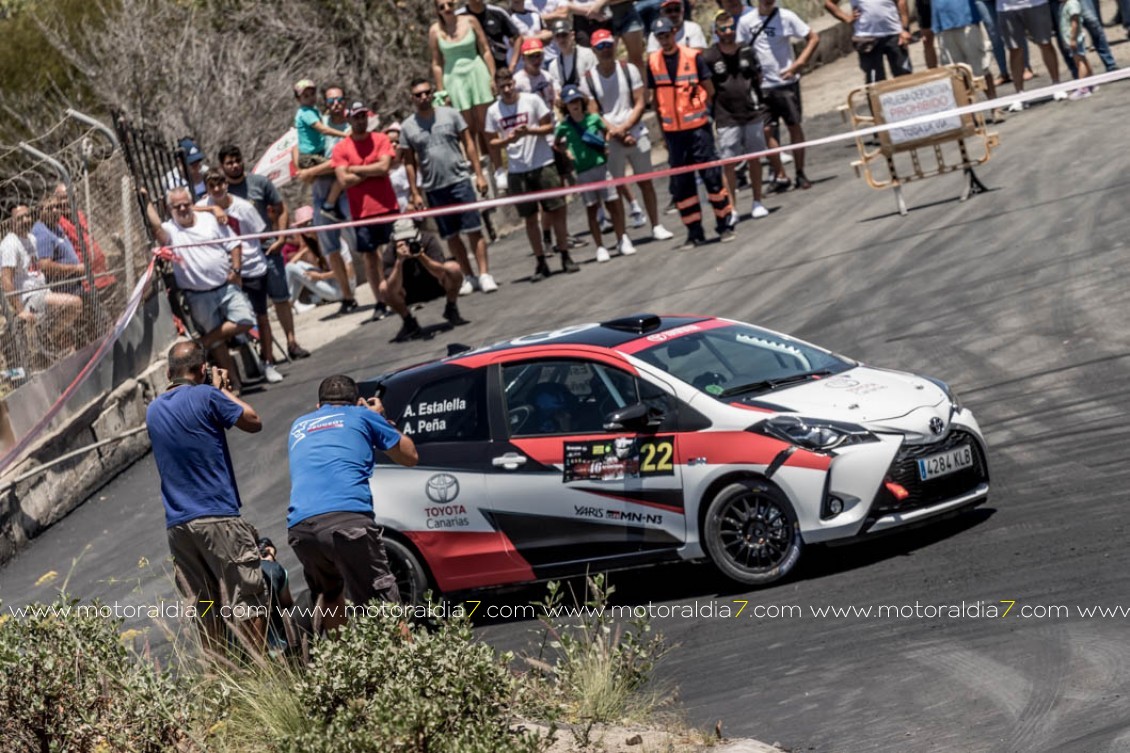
x=751 y=533
x=411 y=577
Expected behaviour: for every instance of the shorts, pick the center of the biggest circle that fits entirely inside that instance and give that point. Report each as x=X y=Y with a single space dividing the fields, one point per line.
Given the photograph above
x=734 y=141
x=638 y=155
x=216 y=561
x=343 y=551
x=450 y=225
x=925 y=14
x=372 y=237
x=784 y=104
x=541 y=179
x=277 y=288
x=306 y=161
x=255 y=288
x=966 y=45
x=625 y=19
x=330 y=241
x=211 y=308
x=604 y=193
x=1032 y=23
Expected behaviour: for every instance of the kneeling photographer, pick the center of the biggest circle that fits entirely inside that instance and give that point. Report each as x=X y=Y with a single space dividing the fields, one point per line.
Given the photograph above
x=413 y=270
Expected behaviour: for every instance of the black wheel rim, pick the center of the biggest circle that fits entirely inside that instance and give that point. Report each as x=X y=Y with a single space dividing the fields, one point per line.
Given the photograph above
x=755 y=533
x=405 y=580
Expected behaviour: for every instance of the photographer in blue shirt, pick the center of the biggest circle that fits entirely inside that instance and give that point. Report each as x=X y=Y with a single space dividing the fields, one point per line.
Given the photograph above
x=330 y=520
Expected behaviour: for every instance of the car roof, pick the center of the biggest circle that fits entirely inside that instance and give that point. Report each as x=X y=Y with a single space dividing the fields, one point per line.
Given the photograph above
x=610 y=334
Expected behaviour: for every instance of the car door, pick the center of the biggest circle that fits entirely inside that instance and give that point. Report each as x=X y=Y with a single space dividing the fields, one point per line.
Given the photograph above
x=563 y=489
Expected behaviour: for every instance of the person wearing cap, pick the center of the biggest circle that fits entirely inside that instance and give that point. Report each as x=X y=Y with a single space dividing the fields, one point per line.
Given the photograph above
x=583 y=133
x=521 y=122
x=414 y=270
x=531 y=77
x=363 y=163
x=770 y=31
x=261 y=192
x=572 y=60
x=322 y=179
x=616 y=88
x=440 y=155
x=240 y=216
x=311 y=149
x=305 y=269
x=738 y=110
x=687 y=33
x=194 y=158
x=683 y=94
x=530 y=25
x=330 y=526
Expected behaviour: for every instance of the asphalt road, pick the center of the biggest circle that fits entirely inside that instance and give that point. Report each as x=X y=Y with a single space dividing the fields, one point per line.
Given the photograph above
x=1017 y=298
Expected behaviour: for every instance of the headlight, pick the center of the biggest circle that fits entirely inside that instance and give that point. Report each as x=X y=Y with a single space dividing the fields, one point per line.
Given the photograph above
x=813 y=433
x=950 y=394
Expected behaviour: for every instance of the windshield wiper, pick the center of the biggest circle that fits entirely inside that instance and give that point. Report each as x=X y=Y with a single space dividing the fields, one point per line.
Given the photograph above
x=772 y=384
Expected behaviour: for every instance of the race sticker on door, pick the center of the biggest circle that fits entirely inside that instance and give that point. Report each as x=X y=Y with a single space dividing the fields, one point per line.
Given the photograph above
x=618 y=459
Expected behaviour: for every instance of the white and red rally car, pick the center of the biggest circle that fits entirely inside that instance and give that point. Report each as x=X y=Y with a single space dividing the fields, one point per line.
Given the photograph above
x=648 y=439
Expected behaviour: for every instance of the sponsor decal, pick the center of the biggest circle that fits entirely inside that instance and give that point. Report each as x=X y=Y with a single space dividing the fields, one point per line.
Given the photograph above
x=303 y=429
x=619 y=459
x=429 y=416
x=446 y=516
x=627 y=516
x=854 y=386
x=662 y=337
x=442 y=488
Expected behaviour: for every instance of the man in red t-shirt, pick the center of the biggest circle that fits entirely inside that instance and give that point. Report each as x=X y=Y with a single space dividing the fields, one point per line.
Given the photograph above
x=362 y=163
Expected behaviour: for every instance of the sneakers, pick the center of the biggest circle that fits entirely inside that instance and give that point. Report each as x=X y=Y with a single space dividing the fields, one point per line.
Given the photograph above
x=1018 y=107
x=671 y=208
x=380 y=311
x=348 y=306
x=452 y=315
x=330 y=212
x=575 y=242
x=602 y=254
x=271 y=374
x=466 y=288
x=541 y=271
x=1059 y=96
x=501 y=182
x=732 y=220
x=661 y=233
x=694 y=240
x=626 y=247
x=781 y=184
x=487 y=283
x=567 y=263
x=296 y=352
x=786 y=157
x=603 y=221
x=410 y=330
x=1081 y=93
x=726 y=235
x=802 y=181
x=638 y=219
x=301 y=308
x=759 y=211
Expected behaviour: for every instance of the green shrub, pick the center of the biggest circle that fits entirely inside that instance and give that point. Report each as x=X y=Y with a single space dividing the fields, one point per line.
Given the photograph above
x=69 y=684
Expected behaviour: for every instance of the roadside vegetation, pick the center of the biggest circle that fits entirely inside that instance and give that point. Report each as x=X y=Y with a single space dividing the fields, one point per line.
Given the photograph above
x=78 y=685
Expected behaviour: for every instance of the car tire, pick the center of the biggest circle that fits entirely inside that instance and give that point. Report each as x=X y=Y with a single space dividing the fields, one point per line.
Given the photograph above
x=751 y=533
x=411 y=577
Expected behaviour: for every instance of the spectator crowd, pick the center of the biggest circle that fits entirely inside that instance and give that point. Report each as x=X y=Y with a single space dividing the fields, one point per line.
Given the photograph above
x=522 y=97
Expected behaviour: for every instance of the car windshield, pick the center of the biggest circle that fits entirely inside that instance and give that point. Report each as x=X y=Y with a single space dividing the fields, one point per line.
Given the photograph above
x=738 y=360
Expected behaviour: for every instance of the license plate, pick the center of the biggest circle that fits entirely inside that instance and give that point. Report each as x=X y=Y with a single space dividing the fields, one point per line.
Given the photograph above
x=945 y=463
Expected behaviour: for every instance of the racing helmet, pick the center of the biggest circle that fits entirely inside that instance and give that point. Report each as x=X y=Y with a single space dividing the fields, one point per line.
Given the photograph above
x=552 y=403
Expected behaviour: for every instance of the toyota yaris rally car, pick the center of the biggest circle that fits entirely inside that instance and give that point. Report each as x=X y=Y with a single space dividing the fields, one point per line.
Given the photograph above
x=648 y=439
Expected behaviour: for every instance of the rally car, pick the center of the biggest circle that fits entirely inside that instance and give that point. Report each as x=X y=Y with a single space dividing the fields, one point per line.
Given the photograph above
x=647 y=439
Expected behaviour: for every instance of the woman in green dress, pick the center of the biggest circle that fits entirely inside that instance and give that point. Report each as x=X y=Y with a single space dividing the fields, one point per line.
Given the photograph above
x=462 y=65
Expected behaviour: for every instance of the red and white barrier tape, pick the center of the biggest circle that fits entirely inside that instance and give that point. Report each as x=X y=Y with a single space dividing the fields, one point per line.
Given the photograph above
x=862 y=133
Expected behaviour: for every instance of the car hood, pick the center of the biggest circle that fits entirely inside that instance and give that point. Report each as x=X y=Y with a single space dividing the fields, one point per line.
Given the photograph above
x=861 y=395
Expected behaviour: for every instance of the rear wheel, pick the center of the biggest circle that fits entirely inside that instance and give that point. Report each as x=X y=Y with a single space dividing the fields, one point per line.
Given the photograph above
x=751 y=533
x=411 y=577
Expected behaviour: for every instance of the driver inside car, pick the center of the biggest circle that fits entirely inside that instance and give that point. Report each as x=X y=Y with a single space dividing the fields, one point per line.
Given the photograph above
x=552 y=409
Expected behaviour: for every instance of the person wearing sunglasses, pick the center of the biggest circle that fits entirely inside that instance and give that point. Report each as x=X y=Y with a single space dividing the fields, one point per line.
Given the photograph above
x=687 y=33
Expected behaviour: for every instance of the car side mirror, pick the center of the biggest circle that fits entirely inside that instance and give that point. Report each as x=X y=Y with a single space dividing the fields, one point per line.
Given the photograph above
x=634 y=417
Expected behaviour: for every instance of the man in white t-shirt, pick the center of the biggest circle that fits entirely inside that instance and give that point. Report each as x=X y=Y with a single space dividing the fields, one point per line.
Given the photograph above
x=880 y=29
x=572 y=61
x=25 y=286
x=770 y=30
x=242 y=218
x=1017 y=21
x=531 y=77
x=687 y=33
x=616 y=87
x=522 y=123
x=207 y=265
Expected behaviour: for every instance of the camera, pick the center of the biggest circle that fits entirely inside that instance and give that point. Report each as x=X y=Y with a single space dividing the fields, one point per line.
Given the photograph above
x=415 y=248
x=207 y=374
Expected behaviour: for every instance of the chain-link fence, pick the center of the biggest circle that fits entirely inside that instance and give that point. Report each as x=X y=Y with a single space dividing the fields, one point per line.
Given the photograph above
x=72 y=245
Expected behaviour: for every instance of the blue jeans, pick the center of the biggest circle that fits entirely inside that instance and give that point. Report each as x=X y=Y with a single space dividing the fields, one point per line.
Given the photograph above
x=1094 y=26
x=988 y=12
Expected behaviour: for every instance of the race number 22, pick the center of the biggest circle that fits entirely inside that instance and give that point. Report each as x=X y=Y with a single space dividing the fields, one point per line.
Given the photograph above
x=657 y=455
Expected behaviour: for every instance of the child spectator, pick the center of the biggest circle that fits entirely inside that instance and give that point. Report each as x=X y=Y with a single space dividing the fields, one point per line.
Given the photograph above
x=1071 y=27
x=312 y=134
x=582 y=133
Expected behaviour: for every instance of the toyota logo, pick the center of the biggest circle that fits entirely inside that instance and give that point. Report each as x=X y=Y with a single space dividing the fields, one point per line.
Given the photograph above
x=937 y=426
x=442 y=488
